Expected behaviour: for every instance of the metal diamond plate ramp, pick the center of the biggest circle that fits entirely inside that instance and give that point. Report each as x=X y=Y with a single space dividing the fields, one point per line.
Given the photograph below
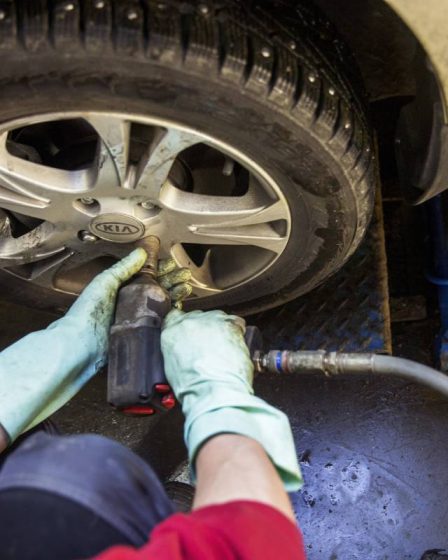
x=350 y=312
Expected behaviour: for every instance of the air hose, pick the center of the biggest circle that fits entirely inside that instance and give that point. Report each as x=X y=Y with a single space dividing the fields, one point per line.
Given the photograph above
x=332 y=364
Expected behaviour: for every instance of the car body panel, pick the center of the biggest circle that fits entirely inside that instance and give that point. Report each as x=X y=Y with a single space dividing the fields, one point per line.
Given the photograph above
x=429 y=22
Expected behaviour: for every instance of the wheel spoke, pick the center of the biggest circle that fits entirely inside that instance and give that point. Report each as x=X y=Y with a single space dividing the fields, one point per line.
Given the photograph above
x=202 y=280
x=199 y=209
x=271 y=212
x=155 y=166
x=258 y=235
x=114 y=133
x=44 y=272
x=34 y=189
x=65 y=264
x=23 y=203
x=77 y=259
x=247 y=220
x=41 y=242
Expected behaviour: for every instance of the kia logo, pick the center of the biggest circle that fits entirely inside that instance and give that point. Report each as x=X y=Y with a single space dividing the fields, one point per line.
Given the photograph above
x=117 y=228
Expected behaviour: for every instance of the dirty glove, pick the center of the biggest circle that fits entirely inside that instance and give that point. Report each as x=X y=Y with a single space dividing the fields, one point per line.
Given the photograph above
x=207 y=364
x=45 y=369
x=174 y=280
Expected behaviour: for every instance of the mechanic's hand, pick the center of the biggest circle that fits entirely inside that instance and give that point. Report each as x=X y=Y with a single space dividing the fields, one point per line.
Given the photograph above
x=44 y=370
x=205 y=347
x=207 y=364
x=175 y=280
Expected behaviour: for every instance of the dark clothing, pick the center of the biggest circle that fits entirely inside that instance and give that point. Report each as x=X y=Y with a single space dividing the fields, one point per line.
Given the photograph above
x=72 y=497
x=36 y=524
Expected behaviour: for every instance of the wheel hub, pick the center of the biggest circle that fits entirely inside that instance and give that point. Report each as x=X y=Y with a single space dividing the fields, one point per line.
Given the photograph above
x=118 y=228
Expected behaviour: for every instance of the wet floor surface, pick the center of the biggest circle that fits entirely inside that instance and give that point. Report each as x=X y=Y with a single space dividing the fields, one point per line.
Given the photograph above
x=374 y=454
x=374 y=458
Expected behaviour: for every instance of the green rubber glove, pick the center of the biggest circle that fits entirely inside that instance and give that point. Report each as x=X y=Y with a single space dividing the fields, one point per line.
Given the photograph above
x=45 y=369
x=207 y=364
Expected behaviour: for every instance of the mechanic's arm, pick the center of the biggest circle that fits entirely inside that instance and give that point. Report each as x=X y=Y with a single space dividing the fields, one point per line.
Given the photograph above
x=45 y=369
x=210 y=370
x=232 y=468
x=241 y=451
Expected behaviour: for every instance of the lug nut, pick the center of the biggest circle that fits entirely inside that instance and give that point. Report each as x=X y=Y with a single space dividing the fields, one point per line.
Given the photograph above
x=132 y=15
x=87 y=237
x=266 y=52
x=87 y=200
x=147 y=205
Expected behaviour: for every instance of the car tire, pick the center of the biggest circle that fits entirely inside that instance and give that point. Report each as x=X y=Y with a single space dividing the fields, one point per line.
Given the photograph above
x=265 y=77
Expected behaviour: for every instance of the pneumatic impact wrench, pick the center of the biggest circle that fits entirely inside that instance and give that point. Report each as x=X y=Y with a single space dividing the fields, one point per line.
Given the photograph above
x=136 y=377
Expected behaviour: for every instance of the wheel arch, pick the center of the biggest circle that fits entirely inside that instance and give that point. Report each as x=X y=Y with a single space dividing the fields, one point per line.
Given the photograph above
x=401 y=53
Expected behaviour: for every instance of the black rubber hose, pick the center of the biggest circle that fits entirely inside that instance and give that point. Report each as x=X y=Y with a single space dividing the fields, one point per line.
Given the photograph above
x=334 y=363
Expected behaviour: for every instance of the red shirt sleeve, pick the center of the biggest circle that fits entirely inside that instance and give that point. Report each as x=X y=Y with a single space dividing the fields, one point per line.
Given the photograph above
x=234 y=531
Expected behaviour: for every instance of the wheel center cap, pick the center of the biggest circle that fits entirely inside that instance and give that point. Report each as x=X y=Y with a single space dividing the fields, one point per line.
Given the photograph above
x=119 y=228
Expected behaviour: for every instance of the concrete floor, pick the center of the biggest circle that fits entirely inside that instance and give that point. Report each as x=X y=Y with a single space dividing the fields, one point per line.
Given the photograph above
x=373 y=454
